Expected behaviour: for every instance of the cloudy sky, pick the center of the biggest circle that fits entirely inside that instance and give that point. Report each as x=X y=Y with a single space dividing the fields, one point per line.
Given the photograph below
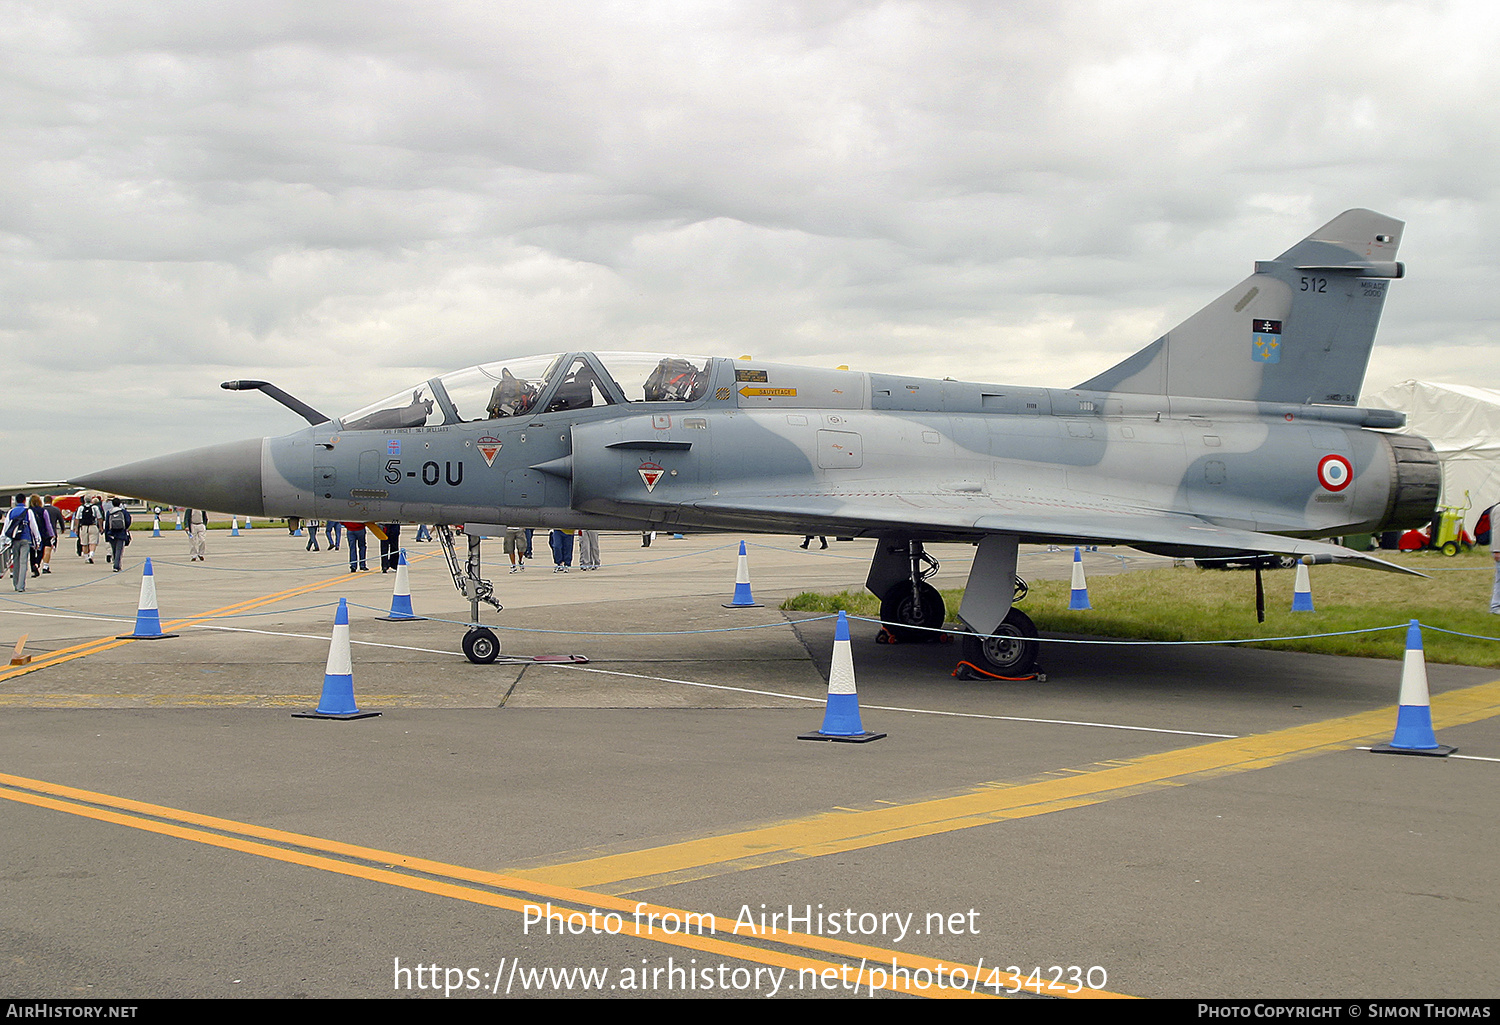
x=345 y=197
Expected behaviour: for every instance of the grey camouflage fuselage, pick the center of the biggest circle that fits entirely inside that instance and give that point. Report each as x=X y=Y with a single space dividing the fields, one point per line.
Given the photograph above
x=1234 y=432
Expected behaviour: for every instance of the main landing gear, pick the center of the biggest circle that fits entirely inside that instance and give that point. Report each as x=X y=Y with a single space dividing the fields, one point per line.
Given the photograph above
x=912 y=610
x=1010 y=652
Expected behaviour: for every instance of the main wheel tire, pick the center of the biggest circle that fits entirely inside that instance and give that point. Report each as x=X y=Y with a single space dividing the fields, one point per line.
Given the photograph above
x=1450 y=548
x=900 y=611
x=1011 y=651
x=481 y=646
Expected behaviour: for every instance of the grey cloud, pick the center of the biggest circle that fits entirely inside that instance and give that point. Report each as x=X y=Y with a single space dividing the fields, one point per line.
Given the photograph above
x=346 y=195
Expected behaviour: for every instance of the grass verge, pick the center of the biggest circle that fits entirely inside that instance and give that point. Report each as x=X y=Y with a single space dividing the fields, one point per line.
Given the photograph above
x=1190 y=604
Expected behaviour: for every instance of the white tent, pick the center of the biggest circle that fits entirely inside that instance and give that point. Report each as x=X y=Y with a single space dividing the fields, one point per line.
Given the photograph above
x=1463 y=424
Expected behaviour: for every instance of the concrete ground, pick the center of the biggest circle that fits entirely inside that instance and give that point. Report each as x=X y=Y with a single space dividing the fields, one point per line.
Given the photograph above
x=1150 y=821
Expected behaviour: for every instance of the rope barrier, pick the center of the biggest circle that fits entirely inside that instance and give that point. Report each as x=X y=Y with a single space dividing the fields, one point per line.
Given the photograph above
x=320 y=566
x=603 y=633
x=70 y=587
x=1232 y=640
x=812 y=618
x=1455 y=633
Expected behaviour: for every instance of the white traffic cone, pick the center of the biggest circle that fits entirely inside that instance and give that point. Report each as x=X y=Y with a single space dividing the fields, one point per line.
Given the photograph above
x=1414 y=734
x=401 y=611
x=147 y=618
x=742 y=598
x=234 y=526
x=1302 y=591
x=1079 y=601
x=841 y=718
x=337 y=701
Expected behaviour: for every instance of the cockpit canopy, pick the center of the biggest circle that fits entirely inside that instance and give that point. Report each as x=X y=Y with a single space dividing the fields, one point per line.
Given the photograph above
x=538 y=384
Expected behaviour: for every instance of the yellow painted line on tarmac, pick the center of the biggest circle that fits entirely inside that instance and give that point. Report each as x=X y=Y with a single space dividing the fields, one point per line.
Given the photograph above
x=160 y=700
x=106 y=643
x=836 y=831
x=873 y=967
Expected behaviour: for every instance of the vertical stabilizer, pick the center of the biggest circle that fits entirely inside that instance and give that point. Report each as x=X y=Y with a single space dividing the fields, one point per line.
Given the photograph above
x=1298 y=330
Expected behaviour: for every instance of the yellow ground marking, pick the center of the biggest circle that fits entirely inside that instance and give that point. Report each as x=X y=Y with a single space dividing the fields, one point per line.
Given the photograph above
x=160 y=700
x=640 y=920
x=835 y=831
x=105 y=643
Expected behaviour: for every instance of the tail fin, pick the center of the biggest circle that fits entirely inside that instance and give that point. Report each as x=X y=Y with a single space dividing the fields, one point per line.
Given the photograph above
x=1298 y=330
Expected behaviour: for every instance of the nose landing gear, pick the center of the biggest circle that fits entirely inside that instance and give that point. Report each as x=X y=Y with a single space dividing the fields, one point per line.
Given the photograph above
x=480 y=644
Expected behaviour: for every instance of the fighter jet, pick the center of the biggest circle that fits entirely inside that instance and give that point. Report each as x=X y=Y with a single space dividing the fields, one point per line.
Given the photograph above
x=1236 y=432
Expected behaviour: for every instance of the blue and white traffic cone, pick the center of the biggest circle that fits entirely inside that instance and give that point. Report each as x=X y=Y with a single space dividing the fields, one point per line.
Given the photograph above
x=1080 y=597
x=841 y=719
x=248 y=524
x=337 y=701
x=234 y=526
x=1414 y=734
x=1302 y=593
x=147 y=618
x=742 y=598
x=156 y=525
x=401 y=597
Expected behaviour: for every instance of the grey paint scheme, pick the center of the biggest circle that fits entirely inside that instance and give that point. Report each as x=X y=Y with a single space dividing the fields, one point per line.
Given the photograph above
x=1232 y=466
x=1330 y=288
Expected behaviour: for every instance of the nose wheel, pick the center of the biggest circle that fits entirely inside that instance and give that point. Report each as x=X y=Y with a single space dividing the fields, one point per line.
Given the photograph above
x=481 y=646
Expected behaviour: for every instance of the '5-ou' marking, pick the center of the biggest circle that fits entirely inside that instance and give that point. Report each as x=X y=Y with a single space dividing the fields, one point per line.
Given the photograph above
x=453 y=473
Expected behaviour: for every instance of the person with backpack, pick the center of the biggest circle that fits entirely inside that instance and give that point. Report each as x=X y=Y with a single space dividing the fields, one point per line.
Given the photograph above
x=23 y=531
x=86 y=522
x=116 y=529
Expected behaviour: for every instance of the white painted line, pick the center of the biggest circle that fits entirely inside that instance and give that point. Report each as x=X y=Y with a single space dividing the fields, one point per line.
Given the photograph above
x=59 y=615
x=318 y=637
x=822 y=698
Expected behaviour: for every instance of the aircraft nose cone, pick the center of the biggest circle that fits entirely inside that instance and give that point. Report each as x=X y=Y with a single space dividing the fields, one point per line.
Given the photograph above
x=222 y=478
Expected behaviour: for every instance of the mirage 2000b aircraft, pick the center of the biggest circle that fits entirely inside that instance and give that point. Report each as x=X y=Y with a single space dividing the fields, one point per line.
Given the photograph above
x=1236 y=432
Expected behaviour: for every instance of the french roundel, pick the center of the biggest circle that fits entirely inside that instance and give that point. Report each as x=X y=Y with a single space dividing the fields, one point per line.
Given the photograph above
x=1334 y=473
